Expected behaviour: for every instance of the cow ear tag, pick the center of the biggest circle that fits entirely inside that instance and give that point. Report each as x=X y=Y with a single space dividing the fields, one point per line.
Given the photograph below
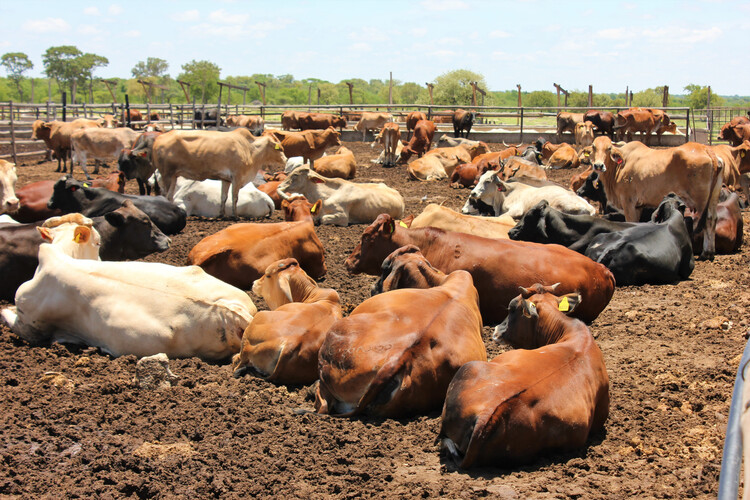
x=86 y=185
x=402 y=224
x=313 y=209
x=277 y=146
x=619 y=160
x=564 y=305
x=77 y=238
x=742 y=154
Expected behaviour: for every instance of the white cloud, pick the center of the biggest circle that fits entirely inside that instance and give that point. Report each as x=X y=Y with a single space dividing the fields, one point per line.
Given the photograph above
x=612 y=33
x=187 y=16
x=223 y=17
x=443 y=53
x=88 y=29
x=370 y=34
x=92 y=11
x=419 y=32
x=47 y=25
x=499 y=34
x=360 y=47
x=444 y=5
x=682 y=36
x=133 y=34
x=449 y=42
x=115 y=9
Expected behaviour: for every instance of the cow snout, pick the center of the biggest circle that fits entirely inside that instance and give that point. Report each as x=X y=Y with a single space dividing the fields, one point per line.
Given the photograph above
x=600 y=167
x=11 y=205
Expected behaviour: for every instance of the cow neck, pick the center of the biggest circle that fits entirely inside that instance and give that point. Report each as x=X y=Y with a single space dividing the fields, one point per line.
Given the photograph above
x=419 y=237
x=303 y=289
x=554 y=327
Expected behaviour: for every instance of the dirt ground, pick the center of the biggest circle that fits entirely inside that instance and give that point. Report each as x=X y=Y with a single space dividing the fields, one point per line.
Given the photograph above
x=74 y=425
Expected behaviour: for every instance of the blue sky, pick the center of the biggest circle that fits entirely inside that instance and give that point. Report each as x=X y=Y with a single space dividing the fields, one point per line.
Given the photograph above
x=609 y=44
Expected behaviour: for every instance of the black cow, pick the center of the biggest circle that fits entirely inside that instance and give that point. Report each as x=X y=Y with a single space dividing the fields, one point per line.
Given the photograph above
x=208 y=118
x=69 y=196
x=126 y=233
x=463 y=120
x=604 y=121
x=136 y=163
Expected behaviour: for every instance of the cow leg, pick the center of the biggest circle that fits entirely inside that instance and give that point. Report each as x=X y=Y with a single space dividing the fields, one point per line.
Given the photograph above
x=82 y=159
x=224 y=195
x=709 y=236
x=170 y=184
x=96 y=166
x=236 y=185
x=143 y=187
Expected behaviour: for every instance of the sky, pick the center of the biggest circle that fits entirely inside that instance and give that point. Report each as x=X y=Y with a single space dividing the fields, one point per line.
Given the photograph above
x=535 y=43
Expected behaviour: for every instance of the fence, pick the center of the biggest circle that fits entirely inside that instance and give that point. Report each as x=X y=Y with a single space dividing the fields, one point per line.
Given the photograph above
x=16 y=118
x=707 y=122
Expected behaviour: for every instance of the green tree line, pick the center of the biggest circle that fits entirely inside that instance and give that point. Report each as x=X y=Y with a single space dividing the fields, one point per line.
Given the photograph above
x=70 y=70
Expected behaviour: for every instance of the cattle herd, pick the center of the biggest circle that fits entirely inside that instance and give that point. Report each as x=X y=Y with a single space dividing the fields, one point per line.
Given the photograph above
x=536 y=260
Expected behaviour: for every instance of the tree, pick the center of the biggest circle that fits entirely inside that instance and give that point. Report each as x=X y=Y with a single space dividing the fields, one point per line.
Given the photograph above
x=540 y=98
x=649 y=98
x=87 y=63
x=698 y=97
x=203 y=74
x=16 y=64
x=153 y=67
x=60 y=64
x=453 y=87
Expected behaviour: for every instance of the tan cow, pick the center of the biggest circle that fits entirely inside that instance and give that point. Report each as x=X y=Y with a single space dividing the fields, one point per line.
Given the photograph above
x=389 y=137
x=309 y=144
x=56 y=135
x=101 y=144
x=254 y=123
x=396 y=353
x=231 y=157
x=282 y=344
x=566 y=122
x=584 y=133
x=565 y=156
x=342 y=164
x=435 y=215
x=635 y=176
x=8 y=200
x=289 y=120
x=736 y=162
x=439 y=163
x=372 y=121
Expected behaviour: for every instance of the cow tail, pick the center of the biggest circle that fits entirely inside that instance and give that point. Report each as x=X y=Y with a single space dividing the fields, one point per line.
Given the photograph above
x=718 y=166
x=412 y=175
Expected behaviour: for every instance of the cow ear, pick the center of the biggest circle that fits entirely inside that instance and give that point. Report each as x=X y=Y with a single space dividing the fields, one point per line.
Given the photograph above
x=567 y=303
x=82 y=234
x=616 y=156
x=45 y=234
x=143 y=153
x=115 y=218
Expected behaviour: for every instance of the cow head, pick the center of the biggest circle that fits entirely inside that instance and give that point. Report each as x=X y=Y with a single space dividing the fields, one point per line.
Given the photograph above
x=283 y=282
x=297 y=208
x=300 y=180
x=269 y=151
x=333 y=137
x=68 y=195
x=592 y=189
x=490 y=190
x=41 y=131
x=74 y=234
x=605 y=155
x=585 y=156
x=406 y=267
x=339 y=121
x=742 y=156
x=532 y=317
x=377 y=242
x=138 y=230
x=670 y=205
x=8 y=178
x=533 y=225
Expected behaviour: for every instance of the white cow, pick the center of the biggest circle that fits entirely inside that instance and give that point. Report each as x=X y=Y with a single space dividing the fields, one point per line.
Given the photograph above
x=344 y=202
x=101 y=144
x=8 y=178
x=73 y=234
x=203 y=198
x=139 y=308
x=514 y=198
x=7 y=219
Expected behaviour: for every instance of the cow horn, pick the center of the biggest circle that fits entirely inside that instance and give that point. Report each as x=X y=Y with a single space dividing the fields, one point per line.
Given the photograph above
x=282 y=194
x=506 y=145
x=552 y=288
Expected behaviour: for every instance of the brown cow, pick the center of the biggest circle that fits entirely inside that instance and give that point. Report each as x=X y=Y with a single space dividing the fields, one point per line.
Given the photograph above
x=389 y=137
x=396 y=353
x=439 y=163
x=549 y=393
x=241 y=253
x=411 y=121
x=254 y=123
x=310 y=144
x=272 y=182
x=498 y=266
x=643 y=120
x=342 y=164
x=281 y=345
x=579 y=180
x=736 y=162
x=289 y=120
x=56 y=136
x=729 y=225
x=372 y=121
x=604 y=121
x=424 y=131
x=465 y=176
x=566 y=122
x=727 y=132
x=135 y=116
x=515 y=167
x=320 y=121
x=584 y=133
x=635 y=176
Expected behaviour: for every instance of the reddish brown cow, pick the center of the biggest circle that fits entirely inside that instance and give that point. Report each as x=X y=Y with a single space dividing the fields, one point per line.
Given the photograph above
x=241 y=253
x=396 y=353
x=319 y=121
x=289 y=120
x=135 y=116
x=727 y=132
x=442 y=118
x=282 y=344
x=35 y=196
x=498 y=267
x=310 y=144
x=465 y=175
x=411 y=121
x=424 y=131
x=579 y=180
x=272 y=182
x=729 y=224
x=549 y=393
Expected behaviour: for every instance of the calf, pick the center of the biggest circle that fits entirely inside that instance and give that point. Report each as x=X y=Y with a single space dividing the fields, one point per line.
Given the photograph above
x=344 y=202
x=282 y=344
x=420 y=144
x=8 y=177
x=515 y=198
x=69 y=195
x=550 y=393
x=203 y=198
x=463 y=121
x=498 y=266
x=137 y=162
x=100 y=143
x=181 y=311
x=241 y=253
x=389 y=137
x=309 y=144
x=372 y=121
x=396 y=353
x=411 y=121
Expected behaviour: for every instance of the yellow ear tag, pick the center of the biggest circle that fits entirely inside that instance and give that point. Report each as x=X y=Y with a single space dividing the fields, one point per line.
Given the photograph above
x=86 y=185
x=585 y=153
x=564 y=305
x=313 y=209
x=401 y=223
x=742 y=154
x=277 y=146
x=77 y=238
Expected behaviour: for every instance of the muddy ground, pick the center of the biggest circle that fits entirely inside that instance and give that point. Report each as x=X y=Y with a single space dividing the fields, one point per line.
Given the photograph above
x=74 y=425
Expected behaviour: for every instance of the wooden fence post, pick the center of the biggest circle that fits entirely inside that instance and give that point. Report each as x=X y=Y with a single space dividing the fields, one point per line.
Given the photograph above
x=521 y=138
x=12 y=135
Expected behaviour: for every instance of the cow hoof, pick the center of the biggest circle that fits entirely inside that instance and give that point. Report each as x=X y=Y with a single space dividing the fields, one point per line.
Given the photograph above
x=706 y=256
